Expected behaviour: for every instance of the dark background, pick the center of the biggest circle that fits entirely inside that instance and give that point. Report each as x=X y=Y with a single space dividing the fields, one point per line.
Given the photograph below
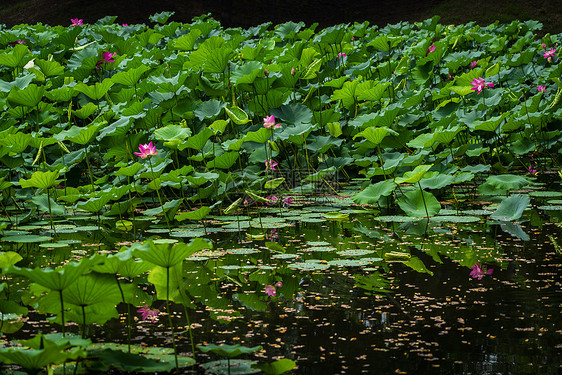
x=245 y=13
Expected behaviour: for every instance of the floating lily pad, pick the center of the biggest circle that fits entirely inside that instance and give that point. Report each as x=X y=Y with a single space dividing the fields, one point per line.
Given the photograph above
x=550 y=208
x=309 y=266
x=348 y=262
x=240 y=224
x=15 y=232
x=477 y=212
x=187 y=233
x=318 y=243
x=396 y=218
x=27 y=238
x=355 y=252
x=54 y=245
x=243 y=251
x=545 y=194
x=157 y=230
x=312 y=220
x=231 y=218
x=284 y=256
x=165 y=240
x=197 y=258
x=320 y=249
x=550 y=202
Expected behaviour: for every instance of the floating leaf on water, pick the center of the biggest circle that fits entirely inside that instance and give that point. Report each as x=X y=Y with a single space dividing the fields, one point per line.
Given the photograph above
x=243 y=251
x=187 y=233
x=320 y=249
x=27 y=238
x=336 y=216
x=197 y=258
x=550 y=208
x=54 y=245
x=318 y=243
x=546 y=194
x=255 y=237
x=454 y=219
x=355 y=252
x=309 y=266
x=15 y=232
x=372 y=260
x=477 y=212
x=161 y=241
x=511 y=208
x=284 y=256
x=231 y=218
x=319 y=209
x=550 y=202
x=312 y=220
x=395 y=256
x=348 y=262
x=396 y=218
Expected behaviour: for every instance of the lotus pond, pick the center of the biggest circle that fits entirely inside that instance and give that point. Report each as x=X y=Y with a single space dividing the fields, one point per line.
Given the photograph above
x=181 y=197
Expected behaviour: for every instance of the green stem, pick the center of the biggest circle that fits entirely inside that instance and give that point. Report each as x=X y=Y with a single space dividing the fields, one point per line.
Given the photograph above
x=170 y=314
x=62 y=312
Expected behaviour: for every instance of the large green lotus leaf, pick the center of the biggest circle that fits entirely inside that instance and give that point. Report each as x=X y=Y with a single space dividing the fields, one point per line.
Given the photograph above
x=198 y=214
x=80 y=135
x=311 y=71
x=17 y=57
x=416 y=264
x=9 y=258
x=40 y=180
x=294 y=113
x=375 y=135
x=228 y=351
x=20 y=82
x=232 y=366
x=197 y=141
x=423 y=140
x=250 y=301
x=511 y=208
x=16 y=142
x=117 y=128
x=50 y=68
x=65 y=341
x=132 y=362
x=56 y=279
x=168 y=208
x=199 y=179
x=237 y=115
x=92 y=289
x=445 y=136
x=130 y=77
x=172 y=132
x=99 y=313
x=95 y=91
x=371 y=90
x=346 y=94
x=415 y=204
x=507 y=181
x=247 y=73
x=489 y=125
x=223 y=161
x=167 y=255
x=278 y=367
x=187 y=41
x=167 y=282
x=95 y=204
x=437 y=181
x=296 y=134
x=42 y=202
x=130 y=170
x=29 y=96
x=86 y=111
x=260 y=136
x=217 y=60
x=35 y=359
x=373 y=193
x=414 y=176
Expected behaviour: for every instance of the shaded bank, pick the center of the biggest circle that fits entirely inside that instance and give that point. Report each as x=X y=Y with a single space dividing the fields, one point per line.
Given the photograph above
x=246 y=13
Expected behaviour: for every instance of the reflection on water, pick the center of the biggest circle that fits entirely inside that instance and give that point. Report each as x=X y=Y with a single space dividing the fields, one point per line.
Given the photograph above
x=334 y=318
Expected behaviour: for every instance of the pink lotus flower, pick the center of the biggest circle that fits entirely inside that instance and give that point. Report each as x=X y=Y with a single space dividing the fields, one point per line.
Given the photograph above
x=76 y=22
x=541 y=88
x=478 y=272
x=269 y=164
x=266 y=72
x=543 y=45
x=269 y=122
x=431 y=49
x=272 y=200
x=146 y=150
x=20 y=41
x=293 y=71
x=548 y=55
x=270 y=290
x=473 y=64
x=124 y=24
x=479 y=84
x=532 y=170
x=148 y=313
x=342 y=54
x=287 y=201
x=108 y=57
